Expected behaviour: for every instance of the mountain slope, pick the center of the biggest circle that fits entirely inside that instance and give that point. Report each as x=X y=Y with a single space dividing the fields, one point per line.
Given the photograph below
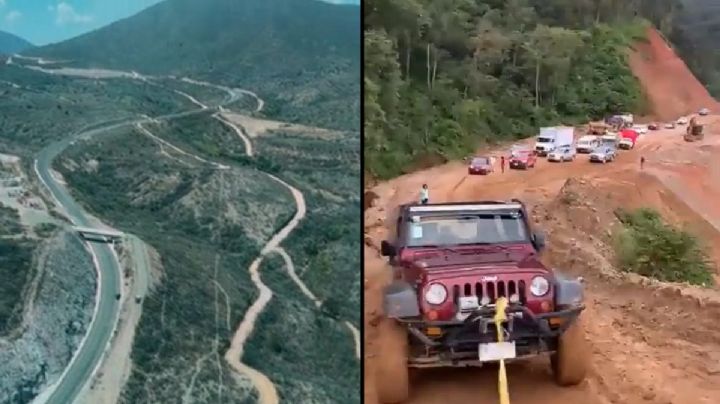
x=671 y=88
x=10 y=43
x=302 y=56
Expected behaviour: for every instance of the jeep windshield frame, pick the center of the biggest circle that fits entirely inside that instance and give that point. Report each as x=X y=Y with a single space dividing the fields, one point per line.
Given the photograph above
x=469 y=225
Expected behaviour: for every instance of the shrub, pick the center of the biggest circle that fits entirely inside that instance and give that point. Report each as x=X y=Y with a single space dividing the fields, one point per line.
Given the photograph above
x=650 y=247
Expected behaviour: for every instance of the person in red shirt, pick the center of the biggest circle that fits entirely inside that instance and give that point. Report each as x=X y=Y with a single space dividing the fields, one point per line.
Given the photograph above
x=502 y=164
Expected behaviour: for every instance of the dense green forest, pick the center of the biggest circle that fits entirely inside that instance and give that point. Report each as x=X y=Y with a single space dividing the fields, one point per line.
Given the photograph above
x=695 y=35
x=443 y=76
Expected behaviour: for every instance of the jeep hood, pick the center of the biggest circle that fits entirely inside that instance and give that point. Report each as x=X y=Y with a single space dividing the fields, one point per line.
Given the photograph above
x=463 y=263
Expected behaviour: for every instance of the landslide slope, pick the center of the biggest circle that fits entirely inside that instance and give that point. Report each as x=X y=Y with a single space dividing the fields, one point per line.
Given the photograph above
x=671 y=88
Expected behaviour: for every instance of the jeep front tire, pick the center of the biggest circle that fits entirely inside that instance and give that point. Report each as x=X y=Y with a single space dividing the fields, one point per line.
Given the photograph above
x=391 y=373
x=571 y=361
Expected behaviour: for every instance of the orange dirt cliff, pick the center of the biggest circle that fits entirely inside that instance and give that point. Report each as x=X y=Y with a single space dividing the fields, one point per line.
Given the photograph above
x=653 y=62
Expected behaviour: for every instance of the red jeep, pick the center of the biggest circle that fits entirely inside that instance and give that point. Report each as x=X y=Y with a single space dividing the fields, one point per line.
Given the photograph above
x=523 y=159
x=451 y=262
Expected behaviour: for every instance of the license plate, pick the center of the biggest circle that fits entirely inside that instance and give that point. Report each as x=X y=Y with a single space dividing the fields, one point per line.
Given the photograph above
x=468 y=303
x=496 y=351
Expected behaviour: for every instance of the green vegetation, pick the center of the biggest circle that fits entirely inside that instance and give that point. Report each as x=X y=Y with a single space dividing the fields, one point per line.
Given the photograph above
x=650 y=247
x=9 y=221
x=302 y=57
x=693 y=31
x=60 y=106
x=16 y=257
x=203 y=135
x=324 y=245
x=45 y=230
x=207 y=225
x=302 y=341
x=442 y=77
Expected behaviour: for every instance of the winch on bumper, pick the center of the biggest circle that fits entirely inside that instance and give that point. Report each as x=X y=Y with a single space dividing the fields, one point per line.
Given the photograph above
x=471 y=339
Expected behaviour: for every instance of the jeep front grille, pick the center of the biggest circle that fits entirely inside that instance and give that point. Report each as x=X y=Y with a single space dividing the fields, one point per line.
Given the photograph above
x=492 y=290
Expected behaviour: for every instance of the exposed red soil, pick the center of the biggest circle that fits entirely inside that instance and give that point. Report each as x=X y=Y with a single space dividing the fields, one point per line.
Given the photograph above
x=671 y=88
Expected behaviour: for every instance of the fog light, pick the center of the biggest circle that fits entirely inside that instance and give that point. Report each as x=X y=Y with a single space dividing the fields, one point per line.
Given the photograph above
x=484 y=301
x=514 y=298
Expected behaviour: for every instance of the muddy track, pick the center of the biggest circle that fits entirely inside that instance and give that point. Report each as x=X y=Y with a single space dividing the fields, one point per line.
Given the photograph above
x=652 y=343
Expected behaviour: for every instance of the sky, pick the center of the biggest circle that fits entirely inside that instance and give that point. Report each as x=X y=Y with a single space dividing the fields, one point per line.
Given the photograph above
x=47 y=21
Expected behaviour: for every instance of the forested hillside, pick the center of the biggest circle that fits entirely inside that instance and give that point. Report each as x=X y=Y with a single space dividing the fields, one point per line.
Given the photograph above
x=695 y=35
x=301 y=56
x=443 y=76
x=10 y=44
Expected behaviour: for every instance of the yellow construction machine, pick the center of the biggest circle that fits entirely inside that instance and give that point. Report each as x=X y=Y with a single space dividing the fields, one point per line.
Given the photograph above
x=694 y=131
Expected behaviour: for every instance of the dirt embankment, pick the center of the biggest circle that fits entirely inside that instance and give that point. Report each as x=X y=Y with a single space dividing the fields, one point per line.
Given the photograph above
x=651 y=343
x=671 y=88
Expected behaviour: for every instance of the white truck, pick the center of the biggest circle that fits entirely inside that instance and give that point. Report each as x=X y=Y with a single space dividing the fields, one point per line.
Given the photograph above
x=550 y=138
x=629 y=119
x=587 y=144
x=611 y=139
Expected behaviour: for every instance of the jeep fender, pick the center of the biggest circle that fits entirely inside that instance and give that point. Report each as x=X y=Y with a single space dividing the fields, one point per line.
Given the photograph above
x=400 y=300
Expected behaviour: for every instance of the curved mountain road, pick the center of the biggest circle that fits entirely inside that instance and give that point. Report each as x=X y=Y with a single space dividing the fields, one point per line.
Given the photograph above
x=105 y=314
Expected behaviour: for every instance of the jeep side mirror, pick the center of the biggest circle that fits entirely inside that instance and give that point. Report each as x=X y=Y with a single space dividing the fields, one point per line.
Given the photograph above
x=387 y=249
x=539 y=240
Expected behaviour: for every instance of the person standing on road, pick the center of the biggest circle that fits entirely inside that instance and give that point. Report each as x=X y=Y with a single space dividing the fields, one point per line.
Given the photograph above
x=502 y=164
x=424 y=194
x=642 y=162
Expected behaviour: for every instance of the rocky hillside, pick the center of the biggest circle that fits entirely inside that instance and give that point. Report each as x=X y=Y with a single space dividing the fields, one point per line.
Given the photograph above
x=36 y=354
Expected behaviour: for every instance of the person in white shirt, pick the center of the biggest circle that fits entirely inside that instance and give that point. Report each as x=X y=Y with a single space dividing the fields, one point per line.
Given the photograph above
x=424 y=194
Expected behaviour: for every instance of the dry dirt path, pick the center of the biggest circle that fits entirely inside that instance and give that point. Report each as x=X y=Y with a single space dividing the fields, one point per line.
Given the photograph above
x=647 y=348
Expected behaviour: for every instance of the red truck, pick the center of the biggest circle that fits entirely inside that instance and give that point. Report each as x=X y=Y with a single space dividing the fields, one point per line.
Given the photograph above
x=628 y=137
x=522 y=159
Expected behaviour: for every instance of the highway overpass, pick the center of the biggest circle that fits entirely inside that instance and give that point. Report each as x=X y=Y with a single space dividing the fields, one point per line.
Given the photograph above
x=103 y=235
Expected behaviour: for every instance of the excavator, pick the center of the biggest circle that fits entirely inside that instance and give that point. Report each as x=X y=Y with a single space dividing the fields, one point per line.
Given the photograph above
x=694 y=131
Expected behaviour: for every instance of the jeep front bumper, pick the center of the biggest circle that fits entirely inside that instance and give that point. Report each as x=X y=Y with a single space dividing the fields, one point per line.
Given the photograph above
x=455 y=342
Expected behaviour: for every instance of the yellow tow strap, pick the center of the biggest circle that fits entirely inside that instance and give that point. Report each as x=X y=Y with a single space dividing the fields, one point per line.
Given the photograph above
x=500 y=317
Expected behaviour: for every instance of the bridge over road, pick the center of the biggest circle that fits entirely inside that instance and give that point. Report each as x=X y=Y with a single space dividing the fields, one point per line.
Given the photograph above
x=103 y=235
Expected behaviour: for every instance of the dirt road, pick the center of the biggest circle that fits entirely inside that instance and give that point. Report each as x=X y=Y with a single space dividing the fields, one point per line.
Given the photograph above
x=652 y=343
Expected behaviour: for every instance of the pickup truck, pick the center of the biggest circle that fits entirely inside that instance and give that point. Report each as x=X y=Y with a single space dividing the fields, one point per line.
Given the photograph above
x=587 y=144
x=628 y=137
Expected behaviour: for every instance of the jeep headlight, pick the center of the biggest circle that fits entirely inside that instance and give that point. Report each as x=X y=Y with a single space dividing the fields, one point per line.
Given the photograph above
x=539 y=286
x=435 y=294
